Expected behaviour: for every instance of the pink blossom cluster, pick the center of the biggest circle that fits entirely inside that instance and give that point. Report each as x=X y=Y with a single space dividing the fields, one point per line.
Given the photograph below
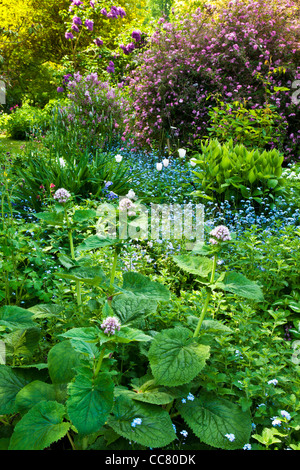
x=219 y=233
x=110 y=325
x=233 y=54
x=62 y=195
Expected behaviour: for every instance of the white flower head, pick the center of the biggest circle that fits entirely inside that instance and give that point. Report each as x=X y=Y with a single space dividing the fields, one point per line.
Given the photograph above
x=182 y=153
x=62 y=162
x=193 y=162
x=166 y=162
x=131 y=194
x=118 y=158
x=159 y=166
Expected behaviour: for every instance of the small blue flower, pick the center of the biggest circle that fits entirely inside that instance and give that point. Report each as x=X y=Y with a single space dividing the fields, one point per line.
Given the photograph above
x=183 y=400
x=285 y=414
x=184 y=433
x=273 y=382
x=276 y=421
x=230 y=437
x=135 y=422
x=190 y=397
x=247 y=447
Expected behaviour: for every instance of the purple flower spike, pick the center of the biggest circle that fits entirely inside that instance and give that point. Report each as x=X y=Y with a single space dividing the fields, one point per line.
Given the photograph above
x=137 y=35
x=89 y=24
x=77 y=20
x=60 y=89
x=104 y=12
x=69 y=35
x=111 y=67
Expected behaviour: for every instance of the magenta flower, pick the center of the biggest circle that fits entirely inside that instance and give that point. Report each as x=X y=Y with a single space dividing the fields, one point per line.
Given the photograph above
x=77 y=3
x=104 y=12
x=77 y=20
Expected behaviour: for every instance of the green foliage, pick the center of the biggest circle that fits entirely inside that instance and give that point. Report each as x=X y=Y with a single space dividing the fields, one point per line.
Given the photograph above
x=26 y=120
x=225 y=170
x=252 y=128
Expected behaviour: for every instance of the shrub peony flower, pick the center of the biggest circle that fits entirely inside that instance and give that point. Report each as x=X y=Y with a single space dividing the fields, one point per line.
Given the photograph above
x=220 y=233
x=62 y=195
x=110 y=325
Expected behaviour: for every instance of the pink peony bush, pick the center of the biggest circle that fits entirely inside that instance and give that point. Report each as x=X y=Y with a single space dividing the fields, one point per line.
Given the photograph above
x=243 y=53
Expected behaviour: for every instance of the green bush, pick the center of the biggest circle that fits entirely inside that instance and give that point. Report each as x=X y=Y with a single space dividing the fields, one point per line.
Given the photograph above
x=226 y=170
x=26 y=120
x=260 y=127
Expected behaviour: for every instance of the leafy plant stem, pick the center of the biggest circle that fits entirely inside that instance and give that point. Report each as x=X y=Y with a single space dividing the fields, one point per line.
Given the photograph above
x=99 y=363
x=78 y=287
x=208 y=297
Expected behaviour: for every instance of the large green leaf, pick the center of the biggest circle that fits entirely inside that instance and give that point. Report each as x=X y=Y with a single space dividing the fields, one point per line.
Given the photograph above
x=10 y=384
x=40 y=427
x=46 y=310
x=51 y=218
x=93 y=242
x=176 y=357
x=83 y=215
x=211 y=418
x=90 y=400
x=22 y=342
x=155 y=430
x=33 y=393
x=149 y=392
x=143 y=287
x=127 y=334
x=13 y=317
x=193 y=264
x=238 y=284
x=93 y=276
x=128 y=307
x=62 y=359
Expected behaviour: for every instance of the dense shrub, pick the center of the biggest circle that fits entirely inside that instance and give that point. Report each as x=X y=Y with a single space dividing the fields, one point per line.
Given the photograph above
x=24 y=120
x=243 y=54
x=95 y=107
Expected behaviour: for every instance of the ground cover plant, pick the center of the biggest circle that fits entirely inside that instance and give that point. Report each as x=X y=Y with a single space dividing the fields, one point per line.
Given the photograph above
x=118 y=332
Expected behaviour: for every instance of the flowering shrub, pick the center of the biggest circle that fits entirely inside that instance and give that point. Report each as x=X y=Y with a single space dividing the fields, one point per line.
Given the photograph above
x=248 y=49
x=95 y=106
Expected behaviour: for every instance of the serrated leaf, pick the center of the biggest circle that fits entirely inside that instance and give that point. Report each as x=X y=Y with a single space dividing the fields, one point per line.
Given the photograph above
x=238 y=284
x=208 y=326
x=51 y=218
x=62 y=360
x=83 y=215
x=13 y=317
x=22 y=342
x=199 y=265
x=40 y=427
x=128 y=307
x=155 y=430
x=211 y=418
x=90 y=400
x=154 y=395
x=93 y=276
x=94 y=242
x=127 y=334
x=10 y=384
x=33 y=393
x=175 y=357
x=143 y=287
x=46 y=310
x=88 y=334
